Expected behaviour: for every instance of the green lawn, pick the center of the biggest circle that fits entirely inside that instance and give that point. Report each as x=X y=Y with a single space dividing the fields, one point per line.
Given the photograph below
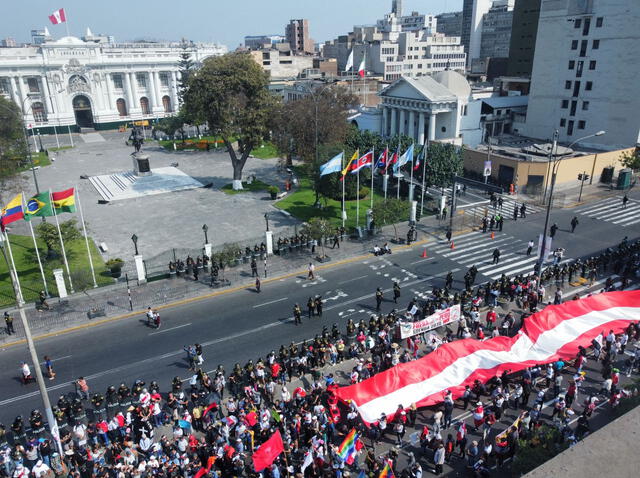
x=265 y=151
x=300 y=205
x=39 y=159
x=61 y=148
x=255 y=186
x=29 y=273
x=191 y=142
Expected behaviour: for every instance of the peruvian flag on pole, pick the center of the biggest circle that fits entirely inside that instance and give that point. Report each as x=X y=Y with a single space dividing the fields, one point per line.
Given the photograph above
x=361 y=68
x=551 y=334
x=58 y=17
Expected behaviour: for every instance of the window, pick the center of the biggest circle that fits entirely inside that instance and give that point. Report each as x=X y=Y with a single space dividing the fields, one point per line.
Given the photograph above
x=576 y=89
x=563 y=122
x=572 y=64
x=117 y=82
x=567 y=85
x=588 y=86
x=596 y=44
x=592 y=65
x=164 y=79
x=579 y=69
x=4 y=86
x=574 y=45
x=141 y=78
x=166 y=103
x=121 y=105
x=39 y=113
x=565 y=104
x=144 y=105
x=587 y=24
x=581 y=124
x=585 y=105
x=574 y=106
x=583 y=47
x=34 y=85
x=570 y=128
x=599 y=21
x=577 y=23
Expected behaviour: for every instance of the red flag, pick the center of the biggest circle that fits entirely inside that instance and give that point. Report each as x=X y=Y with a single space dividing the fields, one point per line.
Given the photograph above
x=251 y=419
x=361 y=69
x=268 y=452
x=58 y=17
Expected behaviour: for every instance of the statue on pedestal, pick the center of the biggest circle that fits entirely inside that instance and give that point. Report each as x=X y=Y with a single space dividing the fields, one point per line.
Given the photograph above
x=136 y=138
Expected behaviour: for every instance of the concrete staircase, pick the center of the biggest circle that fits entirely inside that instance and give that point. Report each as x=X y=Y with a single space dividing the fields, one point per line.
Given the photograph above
x=110 y=186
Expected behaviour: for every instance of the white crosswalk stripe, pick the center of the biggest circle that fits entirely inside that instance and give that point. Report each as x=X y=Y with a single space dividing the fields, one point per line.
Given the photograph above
x=610 y=210
x=507 y=208
x=477 y=249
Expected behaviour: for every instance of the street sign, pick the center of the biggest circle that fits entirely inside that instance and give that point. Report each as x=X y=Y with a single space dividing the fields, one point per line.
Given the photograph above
x=141 y=123
x=487 y=168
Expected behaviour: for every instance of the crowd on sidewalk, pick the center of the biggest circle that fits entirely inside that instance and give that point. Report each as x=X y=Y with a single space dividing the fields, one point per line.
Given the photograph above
x=212 y=424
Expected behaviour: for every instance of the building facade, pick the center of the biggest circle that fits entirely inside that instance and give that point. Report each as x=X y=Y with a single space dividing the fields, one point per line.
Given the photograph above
x=71 y=82
x=496 y=31
x=524 y=29
x=298 y=37
x=585 y=72
x=472 y=13
x=281 y=62
x=255 y=42
x=449 y=24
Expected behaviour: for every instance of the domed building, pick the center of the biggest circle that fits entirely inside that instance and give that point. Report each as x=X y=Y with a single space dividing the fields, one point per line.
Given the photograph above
x=426 y=107
x=84 y=83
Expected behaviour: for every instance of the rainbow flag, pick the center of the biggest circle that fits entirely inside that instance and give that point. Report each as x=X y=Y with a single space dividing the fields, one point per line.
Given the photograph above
x=64 y=201
x=387 y=472
x=12 y=211
x=347 y=449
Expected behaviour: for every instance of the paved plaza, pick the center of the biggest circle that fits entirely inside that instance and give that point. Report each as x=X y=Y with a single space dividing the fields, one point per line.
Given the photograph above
x=162 y=221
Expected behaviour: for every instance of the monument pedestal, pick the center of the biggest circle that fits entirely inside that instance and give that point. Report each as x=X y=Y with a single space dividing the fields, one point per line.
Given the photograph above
x=141 y=166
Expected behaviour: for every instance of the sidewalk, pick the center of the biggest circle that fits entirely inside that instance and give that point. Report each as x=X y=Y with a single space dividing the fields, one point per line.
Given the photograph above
x=113 y=302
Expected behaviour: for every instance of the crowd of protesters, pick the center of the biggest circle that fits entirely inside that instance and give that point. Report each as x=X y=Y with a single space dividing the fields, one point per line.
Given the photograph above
x=210 y=424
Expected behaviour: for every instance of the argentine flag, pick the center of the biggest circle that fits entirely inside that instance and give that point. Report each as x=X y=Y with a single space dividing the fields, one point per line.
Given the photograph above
x=334 y=165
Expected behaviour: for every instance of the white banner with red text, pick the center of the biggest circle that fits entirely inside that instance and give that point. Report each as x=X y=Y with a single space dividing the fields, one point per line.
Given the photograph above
x=440 y=318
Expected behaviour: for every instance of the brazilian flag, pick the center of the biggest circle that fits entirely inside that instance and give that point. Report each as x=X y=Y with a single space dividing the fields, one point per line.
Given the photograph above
x=39 y=205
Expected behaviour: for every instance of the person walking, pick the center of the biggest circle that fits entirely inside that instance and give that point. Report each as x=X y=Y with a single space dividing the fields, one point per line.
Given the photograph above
x=82 y=388
x=574 y=223
x=258 y=283
x=523 y=211
x=297 y=314
x=311 y=307
x=379 y=296
x=496 y=255
x=529 y=248
x=336 y=242
x=625 y=200
x=515 y=212
x=48 y=365
x=448 y=235
x=312 y=269
x=254 y=267
x=552 y=230
x=8 y=320
x=438 y=459
x=396 y=292
x=318 y=303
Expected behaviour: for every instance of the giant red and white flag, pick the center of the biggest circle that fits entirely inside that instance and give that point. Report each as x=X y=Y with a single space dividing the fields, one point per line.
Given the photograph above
x=58 y=17
x=554 y=333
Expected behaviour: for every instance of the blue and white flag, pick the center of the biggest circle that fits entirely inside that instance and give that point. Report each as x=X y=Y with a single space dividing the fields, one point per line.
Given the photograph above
x=334 y=165
x=404 y=159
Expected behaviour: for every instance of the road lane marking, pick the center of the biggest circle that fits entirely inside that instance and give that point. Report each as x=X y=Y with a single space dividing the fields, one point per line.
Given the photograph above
x=170 y=329
x=351 y=280
x=270 y=302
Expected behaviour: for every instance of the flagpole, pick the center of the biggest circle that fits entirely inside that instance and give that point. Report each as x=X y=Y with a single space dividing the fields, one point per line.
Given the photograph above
x=35 y=244
x=13 y=264
x=66 y=23
x=343 y=199
x=411 y=180
x=64 y=254
x=364 y=78
x=425 y=149
x=373 y=165
x=358 y=196
x=86 y=240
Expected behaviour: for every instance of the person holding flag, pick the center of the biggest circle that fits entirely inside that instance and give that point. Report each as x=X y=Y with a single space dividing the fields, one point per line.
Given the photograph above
x=349 y=447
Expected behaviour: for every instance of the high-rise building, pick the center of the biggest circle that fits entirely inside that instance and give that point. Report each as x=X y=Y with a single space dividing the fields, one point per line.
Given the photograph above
x=297 y=34
x=38 y=37
x=255 y=42
x=396 y=7
x=585 y=72
x=449 y=24
x=496 y=30
x=522 y=47
x=472 y=13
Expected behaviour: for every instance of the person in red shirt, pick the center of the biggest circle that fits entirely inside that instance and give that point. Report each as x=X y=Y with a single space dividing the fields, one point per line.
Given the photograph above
x=491 y=318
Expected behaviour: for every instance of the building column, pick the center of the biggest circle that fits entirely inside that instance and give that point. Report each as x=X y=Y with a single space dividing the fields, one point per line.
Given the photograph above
x=127 y=84
x=156 y=80
x=14 y=90
x=412 y=128
x=432 y=127
x=421 y=127
x=153 y=98
x=44 y=87
x=401 y=129
x=385 y=121
x=109 y=81
x=22 y=93
x=135 y=102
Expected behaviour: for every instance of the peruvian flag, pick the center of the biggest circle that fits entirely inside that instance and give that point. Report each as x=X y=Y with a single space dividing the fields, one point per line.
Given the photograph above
x=58 y=17
x=363 y=161
x=361 y=70
x=552 y=334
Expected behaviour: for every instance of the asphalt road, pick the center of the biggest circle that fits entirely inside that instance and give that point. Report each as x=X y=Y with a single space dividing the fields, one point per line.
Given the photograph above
x=245 y=325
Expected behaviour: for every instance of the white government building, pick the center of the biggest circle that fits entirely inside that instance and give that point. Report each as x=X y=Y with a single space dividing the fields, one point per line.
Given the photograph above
x=89 y=84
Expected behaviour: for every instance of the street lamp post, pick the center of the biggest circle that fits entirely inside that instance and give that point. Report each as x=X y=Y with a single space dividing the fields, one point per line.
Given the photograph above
x=266 y=218
x=53 y=426
x=134 y=238
x=205 y=228
x=554 y=171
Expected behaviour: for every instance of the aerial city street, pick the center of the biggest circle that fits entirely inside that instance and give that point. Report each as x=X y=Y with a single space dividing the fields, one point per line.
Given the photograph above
x=400 y=243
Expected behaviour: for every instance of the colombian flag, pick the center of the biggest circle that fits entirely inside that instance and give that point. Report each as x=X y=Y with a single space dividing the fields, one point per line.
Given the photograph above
x=347 y=168
x=64 y=201
x=12 y=211
x=386 y=472
x=347 y=448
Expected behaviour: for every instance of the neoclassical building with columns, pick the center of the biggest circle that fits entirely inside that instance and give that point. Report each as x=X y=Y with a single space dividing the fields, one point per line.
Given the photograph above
x=426 y=107
x=83 y=84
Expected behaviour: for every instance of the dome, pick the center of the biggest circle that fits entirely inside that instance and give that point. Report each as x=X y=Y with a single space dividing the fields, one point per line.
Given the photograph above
x=69 y=41
x=454 y=82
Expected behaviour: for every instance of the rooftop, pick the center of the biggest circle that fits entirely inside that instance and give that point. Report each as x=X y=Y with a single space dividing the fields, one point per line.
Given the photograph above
x=530 y=149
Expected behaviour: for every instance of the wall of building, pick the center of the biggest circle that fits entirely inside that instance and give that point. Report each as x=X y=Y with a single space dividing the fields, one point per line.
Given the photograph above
x=449 y=24
x=472 y=13
x=522 y=44
x=602 y=79
x=496 y=32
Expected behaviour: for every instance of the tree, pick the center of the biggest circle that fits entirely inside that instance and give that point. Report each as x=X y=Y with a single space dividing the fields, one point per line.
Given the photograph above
x=171 y=124
x=631 y=159
x=318 y=228
x=48 y=232
x=443 y=162
x=390 y=211
x=230 y=93
x=13 y=149
x=185 y=67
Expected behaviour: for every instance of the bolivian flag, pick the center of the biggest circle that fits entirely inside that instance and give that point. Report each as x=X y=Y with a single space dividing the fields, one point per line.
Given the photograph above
x=64 y=201
x=38 y=205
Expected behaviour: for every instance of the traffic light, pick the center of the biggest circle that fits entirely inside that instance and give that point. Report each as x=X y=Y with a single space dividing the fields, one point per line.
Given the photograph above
x=586 y=177
x=579 y=177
